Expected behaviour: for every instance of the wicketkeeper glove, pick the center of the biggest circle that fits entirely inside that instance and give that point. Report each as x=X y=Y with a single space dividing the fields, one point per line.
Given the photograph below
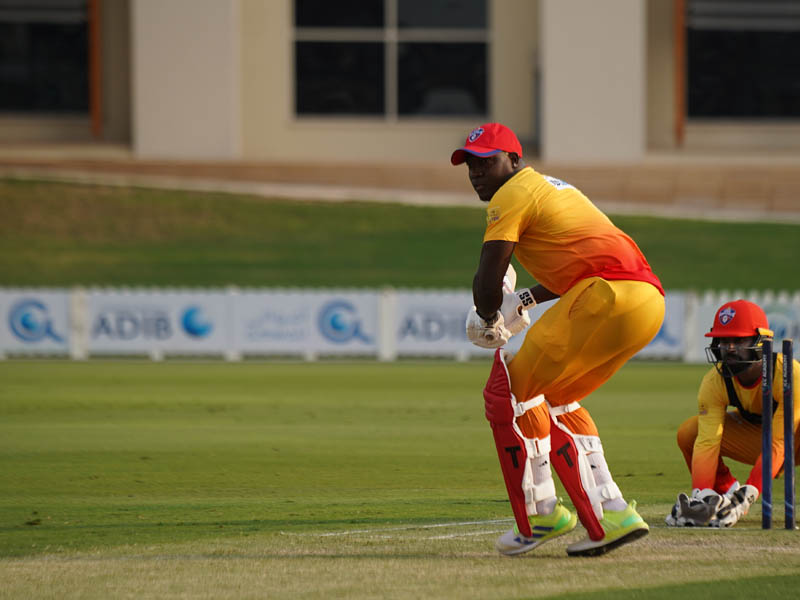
x=514 y=310
x=697 y=511
x=486 y=334
x=740 y=500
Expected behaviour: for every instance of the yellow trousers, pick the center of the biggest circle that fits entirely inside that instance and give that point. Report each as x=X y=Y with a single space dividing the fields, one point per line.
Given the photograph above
x=578 y=344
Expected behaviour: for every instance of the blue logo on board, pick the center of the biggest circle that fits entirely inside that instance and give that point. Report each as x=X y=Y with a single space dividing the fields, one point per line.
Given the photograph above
x=30 y=321
x=195 y=323
x=665 y=337
x=338 y=321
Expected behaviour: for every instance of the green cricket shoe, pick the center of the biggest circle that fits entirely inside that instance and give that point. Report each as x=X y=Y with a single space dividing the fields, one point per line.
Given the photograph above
x=543 y=527
x=621 y=527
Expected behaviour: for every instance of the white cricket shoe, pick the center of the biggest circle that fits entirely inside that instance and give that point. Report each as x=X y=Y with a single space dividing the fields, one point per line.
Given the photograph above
x=543 y=527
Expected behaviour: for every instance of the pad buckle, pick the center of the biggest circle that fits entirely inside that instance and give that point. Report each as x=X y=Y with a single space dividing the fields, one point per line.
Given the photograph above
x=520 y=408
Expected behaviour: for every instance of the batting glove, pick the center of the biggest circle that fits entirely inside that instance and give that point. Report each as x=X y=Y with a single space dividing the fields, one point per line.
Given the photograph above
x=486 y=334
x=514 y=310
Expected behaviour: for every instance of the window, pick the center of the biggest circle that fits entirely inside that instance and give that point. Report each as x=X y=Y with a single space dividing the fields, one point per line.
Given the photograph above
x=743 y=59
x=340 y=78
x=391 y=58
x=43 y=56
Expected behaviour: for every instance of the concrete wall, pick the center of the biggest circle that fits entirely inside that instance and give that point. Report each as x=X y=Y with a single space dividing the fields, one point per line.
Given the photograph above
x=660 y=100
x=213 y=79
x=593 y=65
x=274 y=133
x=186 y=79
x=16 y=128
x=116 y=70
x=514 y=66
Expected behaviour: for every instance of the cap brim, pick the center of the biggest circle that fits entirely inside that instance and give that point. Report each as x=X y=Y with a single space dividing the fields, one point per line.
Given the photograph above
x=460 y=155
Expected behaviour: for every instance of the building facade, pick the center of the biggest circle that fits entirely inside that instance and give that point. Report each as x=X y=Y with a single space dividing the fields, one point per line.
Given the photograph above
x=393 y=81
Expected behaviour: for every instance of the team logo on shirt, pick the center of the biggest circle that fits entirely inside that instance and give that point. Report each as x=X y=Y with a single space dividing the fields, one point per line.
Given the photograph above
x=557 y=183
x=475 y=134
x=726 y=315
x=492 y=215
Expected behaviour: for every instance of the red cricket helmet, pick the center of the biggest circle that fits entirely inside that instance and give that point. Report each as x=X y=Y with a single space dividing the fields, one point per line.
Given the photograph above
x=745 y=322
x=740 y=318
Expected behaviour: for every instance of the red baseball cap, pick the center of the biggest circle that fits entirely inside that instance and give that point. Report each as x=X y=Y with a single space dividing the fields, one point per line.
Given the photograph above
x=739 y=318
x=486 y=140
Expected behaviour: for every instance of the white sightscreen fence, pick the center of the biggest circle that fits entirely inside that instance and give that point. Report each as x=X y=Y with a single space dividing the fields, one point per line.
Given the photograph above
x=309 y=323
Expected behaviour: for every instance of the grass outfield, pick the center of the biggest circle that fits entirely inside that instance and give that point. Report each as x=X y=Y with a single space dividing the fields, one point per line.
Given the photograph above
x=330 y=480
x=59 y=234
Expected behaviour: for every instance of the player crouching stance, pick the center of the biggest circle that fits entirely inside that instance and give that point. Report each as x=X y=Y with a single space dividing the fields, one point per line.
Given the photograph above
x=736 y=351
x=610 y=305
x=582 y=333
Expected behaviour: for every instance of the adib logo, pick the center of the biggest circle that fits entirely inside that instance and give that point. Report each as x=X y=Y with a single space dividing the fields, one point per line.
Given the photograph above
x=195 y=323
x=30 y=321
x=130 y=323
x=338 y=321
x=726 y=315
x=432 y=326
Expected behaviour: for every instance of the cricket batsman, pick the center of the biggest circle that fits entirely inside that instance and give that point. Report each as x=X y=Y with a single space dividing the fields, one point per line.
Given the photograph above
x=609 y=305
x=736 y=351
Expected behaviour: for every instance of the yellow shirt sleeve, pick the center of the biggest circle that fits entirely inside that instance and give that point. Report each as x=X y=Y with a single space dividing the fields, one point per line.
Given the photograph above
x=509 y=214
x=712 y=403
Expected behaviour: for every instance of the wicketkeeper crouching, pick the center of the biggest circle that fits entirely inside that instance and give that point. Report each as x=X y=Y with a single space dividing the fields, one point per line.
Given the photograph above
x=736 y=351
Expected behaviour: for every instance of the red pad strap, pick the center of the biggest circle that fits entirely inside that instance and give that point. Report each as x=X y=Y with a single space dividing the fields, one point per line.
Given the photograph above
x=564 y=458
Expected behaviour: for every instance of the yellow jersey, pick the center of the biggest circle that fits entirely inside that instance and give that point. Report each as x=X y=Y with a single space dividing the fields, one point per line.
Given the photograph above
x=561 y=237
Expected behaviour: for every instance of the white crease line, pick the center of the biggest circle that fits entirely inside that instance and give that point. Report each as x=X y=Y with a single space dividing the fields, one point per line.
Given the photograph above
x=471 y=533
x=405 y=528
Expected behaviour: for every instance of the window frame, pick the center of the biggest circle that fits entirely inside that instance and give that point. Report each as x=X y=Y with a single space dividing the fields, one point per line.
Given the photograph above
x=740 y=17
x=391 y=36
